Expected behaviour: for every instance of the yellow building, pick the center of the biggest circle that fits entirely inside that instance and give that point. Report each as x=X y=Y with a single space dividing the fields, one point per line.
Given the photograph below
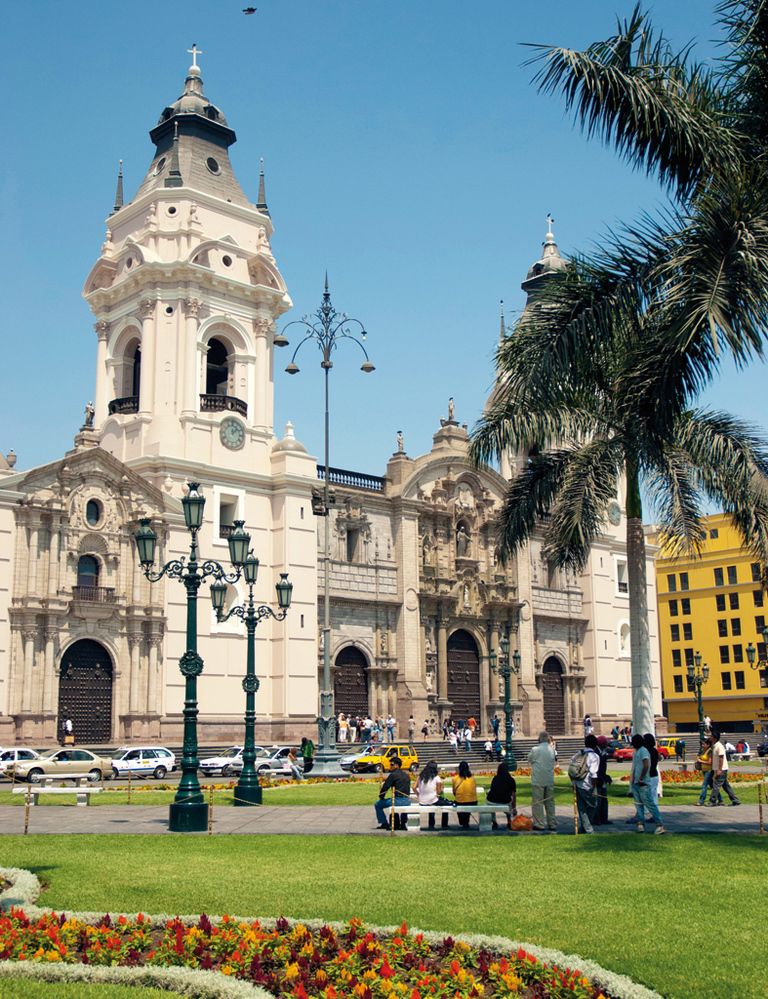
x=713 y=604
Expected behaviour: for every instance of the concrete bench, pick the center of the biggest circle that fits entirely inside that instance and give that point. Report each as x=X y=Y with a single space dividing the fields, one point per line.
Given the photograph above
x=485 y=814
x=741 y=756
x=82 y=790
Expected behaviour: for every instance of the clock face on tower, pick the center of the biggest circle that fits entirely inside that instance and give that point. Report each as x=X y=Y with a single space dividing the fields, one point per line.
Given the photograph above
x=232 y=433
x=614 y=513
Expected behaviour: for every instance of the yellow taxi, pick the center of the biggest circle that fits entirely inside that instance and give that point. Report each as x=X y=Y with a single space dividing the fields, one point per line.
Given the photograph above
x=379 y=758
x=666 y=744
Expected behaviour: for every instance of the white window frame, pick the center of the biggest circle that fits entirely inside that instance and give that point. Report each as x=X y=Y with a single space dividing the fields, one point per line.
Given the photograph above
x=617 y=561
x=228 y=495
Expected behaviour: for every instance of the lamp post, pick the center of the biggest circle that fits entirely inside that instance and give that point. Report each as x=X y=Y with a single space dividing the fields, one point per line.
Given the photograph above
x=500 y=662
x=698 y=676
x=326 y=328
x=248 y=788
x=756 y=661
x=189 y=812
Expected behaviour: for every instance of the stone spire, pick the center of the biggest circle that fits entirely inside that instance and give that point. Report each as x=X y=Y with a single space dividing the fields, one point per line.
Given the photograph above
x=261 y=203
x=550 y=263
x=502 y=324
x=119 y=190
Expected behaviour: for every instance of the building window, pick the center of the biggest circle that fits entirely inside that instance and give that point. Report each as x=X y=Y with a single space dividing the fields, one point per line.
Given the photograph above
x=676 y=660
x=678 y=682
x=216 y=368
x=738 y=677
x=725 y=654
x=722 y=629
x=719 y=580
x=714 y=533
x=688 y=632
x=732 y=579
x=622 y=583
x=671 y=583
x=87 y=571
x=764 y=677
x=755 y=569
x=683 y=580
x=675 y=632
x=673 y=608
x=759 y=622
x=720 y=601
x=689 y=657
x=685 y=606
x=726 y=680
x=738 y=653
x=733 y=601
x=353 y=537
x=757 y=597
x=761 y=651
x=735 y=626
x=92 y=512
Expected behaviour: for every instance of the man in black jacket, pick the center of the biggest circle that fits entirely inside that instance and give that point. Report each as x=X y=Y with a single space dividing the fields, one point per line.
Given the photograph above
x=400 y=782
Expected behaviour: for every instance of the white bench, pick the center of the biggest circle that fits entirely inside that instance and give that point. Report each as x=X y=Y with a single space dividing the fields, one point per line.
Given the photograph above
x=485 y=814
x=741 y=756
x=82 y=790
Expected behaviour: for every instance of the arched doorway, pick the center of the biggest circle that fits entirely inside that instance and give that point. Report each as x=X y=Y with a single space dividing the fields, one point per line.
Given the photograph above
x=463 y=676
x=350 y=684
x=85 y=691
x=554 y=700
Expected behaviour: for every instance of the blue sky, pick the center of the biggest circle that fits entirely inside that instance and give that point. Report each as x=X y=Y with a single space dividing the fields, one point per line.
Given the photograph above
x=406 y=152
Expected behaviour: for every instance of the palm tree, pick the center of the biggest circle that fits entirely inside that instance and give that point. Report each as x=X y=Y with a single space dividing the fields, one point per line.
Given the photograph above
x=619 y=407
x=602 y=372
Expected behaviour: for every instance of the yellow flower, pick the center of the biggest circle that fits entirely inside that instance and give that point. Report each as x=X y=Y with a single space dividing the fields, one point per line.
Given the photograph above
x=226 y=969
x=52 y=955
x=292 y=970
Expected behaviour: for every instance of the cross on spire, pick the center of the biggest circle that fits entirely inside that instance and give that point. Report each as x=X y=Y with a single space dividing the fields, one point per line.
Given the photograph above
x=550 y=220
x=195 y=52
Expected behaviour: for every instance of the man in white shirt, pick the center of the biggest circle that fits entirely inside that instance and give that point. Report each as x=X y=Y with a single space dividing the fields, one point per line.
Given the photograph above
x=720 y=774
x=542 y=759
x=586 y=801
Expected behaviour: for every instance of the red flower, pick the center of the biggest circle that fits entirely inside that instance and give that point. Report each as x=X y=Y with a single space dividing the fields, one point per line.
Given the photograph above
x=300 y=992
x=385 y=971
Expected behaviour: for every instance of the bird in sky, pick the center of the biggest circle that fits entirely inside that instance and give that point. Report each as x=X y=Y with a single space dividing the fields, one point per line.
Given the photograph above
x=249 y=10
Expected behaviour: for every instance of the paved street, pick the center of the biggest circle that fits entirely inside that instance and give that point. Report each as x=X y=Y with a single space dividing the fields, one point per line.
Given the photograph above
x=317 y=820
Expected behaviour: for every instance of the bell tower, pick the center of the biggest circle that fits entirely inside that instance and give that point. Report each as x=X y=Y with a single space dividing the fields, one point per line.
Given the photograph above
x=185 y=295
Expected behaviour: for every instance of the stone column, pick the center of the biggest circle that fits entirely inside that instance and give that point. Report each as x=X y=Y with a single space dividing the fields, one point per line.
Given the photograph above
x=134 y=675
x=147 y=310
x=153 y=701
x=191 y=311
x=54 y=557
x=493 y=678
x=28 y=635
x=442 y=658
x=100 y=402
x=49 y=674
x=33 y=556
x=258 y=396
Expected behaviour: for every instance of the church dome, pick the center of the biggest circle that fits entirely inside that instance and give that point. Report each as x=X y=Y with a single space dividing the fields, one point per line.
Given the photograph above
x=551 y=262
x=289 y=442
x=193 y=101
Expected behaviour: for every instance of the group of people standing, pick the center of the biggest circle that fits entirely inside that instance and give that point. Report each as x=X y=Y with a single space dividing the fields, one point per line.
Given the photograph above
x=354 y=728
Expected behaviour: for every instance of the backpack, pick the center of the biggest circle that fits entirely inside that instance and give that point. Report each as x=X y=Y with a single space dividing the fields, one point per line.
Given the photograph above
x=578 y=767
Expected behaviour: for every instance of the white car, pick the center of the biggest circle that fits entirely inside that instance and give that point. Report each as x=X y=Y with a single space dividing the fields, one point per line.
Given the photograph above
x=143 y=761
x=20 y=754
x=275 y=760
x=346 y=762
x=230 y=762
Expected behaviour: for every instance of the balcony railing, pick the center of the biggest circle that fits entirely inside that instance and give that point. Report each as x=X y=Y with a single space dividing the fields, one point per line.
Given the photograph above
x=128 y=404
x=357 y=480
x=222 y=403
x=94 y=594
x=225 y=530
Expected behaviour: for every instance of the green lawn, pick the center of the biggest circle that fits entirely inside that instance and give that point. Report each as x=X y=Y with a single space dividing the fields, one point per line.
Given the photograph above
x=21 y=988
x=638 y=905
x=357 y=793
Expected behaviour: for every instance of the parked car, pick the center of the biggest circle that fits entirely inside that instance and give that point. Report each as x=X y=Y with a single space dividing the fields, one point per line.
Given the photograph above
x=380 y=757
x=274 y=760
x=60 y=762
x=347 y=761
x=231 y=760
x=143 y=761
x=762 y=748
x=12 y=757
x=623 y=753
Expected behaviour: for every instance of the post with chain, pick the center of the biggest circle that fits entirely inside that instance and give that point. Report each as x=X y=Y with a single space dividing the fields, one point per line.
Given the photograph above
x=27 y=802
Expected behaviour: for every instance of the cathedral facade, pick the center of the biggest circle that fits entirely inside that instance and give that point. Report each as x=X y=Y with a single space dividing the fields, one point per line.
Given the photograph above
x=185 y=296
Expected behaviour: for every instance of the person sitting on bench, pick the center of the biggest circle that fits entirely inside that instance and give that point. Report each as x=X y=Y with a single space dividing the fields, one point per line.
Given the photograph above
x=429 y=790
x=400 y=783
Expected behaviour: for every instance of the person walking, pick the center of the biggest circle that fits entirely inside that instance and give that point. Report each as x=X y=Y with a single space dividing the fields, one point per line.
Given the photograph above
x=343 y=727
x=542 y=759
x=639 y=784
x=704 y=764
x=495 y=723
x=390 y=723
x=503 y=792
x=411 y=728
x=307 y=753
x=453 y=739
x=67 y=733
x=429 y=790
x=588 y=730
x=425 y=730
x=654 y=777
x=400 y=783
x=354 y=725
x=468 y=739
x=720 y=768
x=583 y=770
x=602 y=784
x=464 y=791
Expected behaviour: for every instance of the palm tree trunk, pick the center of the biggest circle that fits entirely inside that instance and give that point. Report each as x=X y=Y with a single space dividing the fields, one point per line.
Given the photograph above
x=639 y=641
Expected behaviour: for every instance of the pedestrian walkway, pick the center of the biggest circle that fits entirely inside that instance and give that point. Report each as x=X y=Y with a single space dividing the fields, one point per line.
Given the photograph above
x=358 y=820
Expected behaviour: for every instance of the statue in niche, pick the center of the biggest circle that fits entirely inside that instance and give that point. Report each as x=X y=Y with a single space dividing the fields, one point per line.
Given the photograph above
x=400 y=442
x=429 y=681
x=467 y=601
x=462 y=541
x=427 y=550
x=90 y=412
x=450 y=410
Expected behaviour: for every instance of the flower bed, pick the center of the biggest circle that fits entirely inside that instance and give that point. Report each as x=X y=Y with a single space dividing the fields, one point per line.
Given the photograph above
x=696 y=777
x=294 y=960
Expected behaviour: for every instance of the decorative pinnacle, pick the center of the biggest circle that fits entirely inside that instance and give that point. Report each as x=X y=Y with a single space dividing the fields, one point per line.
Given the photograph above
x=174 y=178
x=195 y=52
x=119 y=191
x=502 y=327
x=261 y=204
x=550 y=234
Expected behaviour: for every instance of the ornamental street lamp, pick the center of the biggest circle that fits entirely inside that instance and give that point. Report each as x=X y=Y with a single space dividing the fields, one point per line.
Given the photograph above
x=697 y=677
x=326 y=327
x=248 y=788
x=189 y=812
x=500 y=662
x=756 y=661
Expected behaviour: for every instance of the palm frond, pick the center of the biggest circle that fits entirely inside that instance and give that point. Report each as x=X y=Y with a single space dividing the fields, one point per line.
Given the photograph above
x=529 y=497
x=657 y=108
x=672 y=486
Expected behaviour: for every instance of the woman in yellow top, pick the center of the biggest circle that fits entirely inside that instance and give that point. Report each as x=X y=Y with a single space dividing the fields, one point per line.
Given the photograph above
x=464 y=791
x=704 y=763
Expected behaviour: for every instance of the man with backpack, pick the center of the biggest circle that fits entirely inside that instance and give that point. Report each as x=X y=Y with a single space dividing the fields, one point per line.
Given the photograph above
x=583 y=770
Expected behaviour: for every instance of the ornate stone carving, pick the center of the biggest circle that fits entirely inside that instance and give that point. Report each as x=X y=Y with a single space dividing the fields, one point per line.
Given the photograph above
x=102 y=328
x=191 y=308
x=147 y=308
